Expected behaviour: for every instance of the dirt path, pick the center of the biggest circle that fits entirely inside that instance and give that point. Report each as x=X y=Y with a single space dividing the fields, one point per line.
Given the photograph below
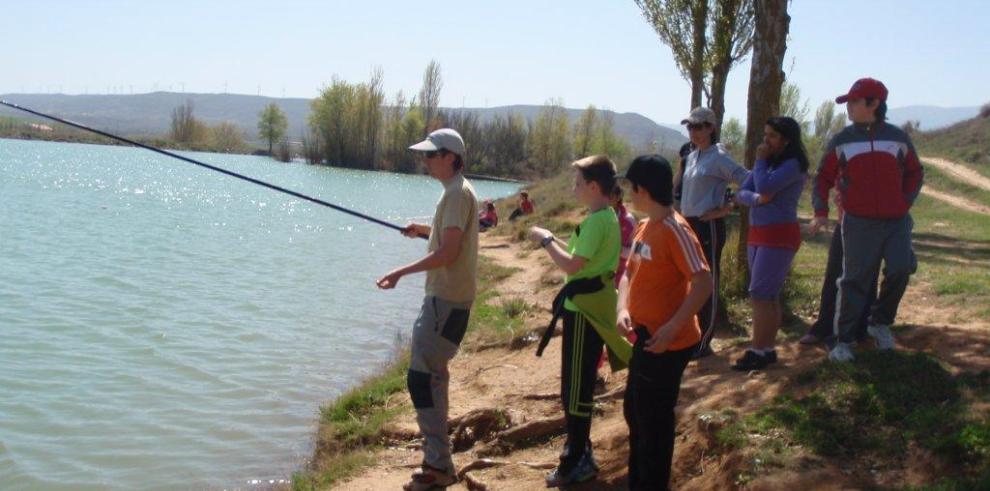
x=525 y=386
x=959 y=171
x=956 y=201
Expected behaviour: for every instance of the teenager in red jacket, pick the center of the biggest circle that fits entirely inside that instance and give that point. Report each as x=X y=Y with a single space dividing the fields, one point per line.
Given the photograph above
x=876 y=171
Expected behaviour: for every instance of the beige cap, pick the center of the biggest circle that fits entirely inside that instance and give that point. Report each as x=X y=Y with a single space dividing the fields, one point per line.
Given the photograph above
x=442 y=139
x=700 y=115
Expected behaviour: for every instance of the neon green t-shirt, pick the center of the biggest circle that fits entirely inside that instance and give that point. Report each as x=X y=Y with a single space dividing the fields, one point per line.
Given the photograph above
x=599 y=240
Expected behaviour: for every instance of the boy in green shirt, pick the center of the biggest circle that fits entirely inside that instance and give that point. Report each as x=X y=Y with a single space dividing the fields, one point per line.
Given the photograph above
x=589 y=261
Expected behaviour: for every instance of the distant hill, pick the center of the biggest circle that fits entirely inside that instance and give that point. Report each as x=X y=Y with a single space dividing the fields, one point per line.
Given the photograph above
x=150 y=114
x=931 y=117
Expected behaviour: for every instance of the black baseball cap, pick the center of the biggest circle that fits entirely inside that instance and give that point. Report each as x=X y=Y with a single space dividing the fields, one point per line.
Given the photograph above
x=653 y=173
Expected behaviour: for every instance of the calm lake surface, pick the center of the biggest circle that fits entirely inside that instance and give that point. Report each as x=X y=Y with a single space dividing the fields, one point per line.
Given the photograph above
x=163 y=326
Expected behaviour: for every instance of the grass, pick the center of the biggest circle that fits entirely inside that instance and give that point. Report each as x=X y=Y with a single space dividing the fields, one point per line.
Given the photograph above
x=965 y=142
x=939 y=180
x=875 y=408
x=352 y=427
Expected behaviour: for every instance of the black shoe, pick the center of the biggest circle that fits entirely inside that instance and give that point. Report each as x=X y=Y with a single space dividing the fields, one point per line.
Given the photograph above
x=703 y=352
x=770 y=355
x=754 y=361
x=585 y=470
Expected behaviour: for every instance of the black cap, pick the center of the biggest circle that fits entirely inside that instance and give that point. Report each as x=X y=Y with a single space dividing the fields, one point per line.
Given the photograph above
x=653 y=173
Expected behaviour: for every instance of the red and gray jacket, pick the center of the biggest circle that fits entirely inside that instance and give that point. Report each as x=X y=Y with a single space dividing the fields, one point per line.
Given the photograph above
x=875 y=170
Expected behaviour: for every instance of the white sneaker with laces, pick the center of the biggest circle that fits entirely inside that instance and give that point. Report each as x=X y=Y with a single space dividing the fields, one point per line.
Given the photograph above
x=841 y=353
x=882 y=335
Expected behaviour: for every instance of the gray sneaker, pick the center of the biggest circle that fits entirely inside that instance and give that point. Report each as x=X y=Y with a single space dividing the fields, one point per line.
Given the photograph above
x=841 y=353
x=882 y=335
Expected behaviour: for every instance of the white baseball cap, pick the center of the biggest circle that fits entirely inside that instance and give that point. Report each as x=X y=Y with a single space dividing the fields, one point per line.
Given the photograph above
x=442 y=139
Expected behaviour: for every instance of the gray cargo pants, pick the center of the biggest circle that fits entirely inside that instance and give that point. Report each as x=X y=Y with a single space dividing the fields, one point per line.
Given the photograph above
x=436 y=336
x=865 y=242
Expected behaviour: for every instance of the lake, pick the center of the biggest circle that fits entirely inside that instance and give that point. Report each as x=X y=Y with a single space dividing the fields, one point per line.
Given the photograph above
x=163 y=326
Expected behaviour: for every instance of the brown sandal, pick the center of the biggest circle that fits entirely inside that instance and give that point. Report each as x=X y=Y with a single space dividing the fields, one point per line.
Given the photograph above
x=427 y=479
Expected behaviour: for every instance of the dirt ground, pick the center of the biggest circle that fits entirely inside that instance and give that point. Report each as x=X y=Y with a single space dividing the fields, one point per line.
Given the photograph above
x=524 y=386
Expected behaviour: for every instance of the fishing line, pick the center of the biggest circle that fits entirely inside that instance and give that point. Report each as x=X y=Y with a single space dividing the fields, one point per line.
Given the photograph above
x=208 y=166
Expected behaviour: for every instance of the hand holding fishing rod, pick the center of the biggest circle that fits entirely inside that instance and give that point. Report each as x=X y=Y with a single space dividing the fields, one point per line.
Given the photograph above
x=456 y=218
x=403 y=230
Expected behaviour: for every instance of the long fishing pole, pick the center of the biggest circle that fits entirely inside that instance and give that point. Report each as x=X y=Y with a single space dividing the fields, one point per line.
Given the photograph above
x=208 y=166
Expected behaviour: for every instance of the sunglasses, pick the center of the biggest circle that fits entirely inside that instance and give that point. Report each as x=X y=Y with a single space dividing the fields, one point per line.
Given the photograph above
x=696 y=126
x=433 y=153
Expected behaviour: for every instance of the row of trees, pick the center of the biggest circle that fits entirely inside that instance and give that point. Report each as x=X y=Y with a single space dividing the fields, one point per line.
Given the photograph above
x=352 y=125
x=188 y=132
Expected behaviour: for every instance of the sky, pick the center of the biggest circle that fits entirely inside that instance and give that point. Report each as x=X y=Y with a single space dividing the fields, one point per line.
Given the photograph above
x=491 y=53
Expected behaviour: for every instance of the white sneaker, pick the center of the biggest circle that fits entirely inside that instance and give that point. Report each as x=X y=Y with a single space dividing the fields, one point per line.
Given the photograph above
x=882 y=335
x=841 y=353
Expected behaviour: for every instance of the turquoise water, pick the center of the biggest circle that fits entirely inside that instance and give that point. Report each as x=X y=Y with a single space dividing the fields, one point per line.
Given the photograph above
x=163 y=326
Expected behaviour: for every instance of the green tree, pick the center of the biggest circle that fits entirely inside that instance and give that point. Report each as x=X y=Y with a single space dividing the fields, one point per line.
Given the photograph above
x=329 y=116
x=792 y=105
x=584 y=132
x=186 y=128
x=707 y=38
x=732 y=39
x=827 y=124
x=429 y=95
x=682 y=25
x=227 y=137
x=272 y=125
x=734 y=138
x=549 y=143
x=606 y=141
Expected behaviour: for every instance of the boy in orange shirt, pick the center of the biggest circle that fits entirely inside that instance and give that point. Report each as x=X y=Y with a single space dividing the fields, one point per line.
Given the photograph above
x=666 y=281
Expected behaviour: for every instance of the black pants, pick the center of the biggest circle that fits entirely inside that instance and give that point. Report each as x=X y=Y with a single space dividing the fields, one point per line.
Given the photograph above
x=581 y=349
x=651 y=394
x=823 y=328
x=711 y=234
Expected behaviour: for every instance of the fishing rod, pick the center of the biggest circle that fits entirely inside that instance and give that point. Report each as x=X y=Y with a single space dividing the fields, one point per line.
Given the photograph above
x=211 y=167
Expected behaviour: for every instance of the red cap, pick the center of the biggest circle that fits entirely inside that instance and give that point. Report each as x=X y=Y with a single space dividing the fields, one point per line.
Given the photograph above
x=864 y=88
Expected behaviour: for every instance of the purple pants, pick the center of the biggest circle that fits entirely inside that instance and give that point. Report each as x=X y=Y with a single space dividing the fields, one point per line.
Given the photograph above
x=768 y=268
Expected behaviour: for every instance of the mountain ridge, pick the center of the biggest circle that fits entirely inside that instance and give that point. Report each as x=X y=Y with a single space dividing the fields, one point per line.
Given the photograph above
x=150 y=114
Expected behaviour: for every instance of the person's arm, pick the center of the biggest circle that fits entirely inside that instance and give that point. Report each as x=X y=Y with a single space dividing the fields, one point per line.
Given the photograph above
x=445 y=255
x=747 y=195
x=730 y=170
x=416 y=231
x=828 y=171
x=698 y=293
x=623 y=322
x=771 y=182
x=569 y=263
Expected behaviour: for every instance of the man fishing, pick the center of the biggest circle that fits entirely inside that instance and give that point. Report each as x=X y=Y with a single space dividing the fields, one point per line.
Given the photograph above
x=451 y=267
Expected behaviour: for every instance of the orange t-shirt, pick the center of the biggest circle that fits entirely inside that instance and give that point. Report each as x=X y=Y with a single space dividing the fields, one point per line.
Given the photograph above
x=665 y=256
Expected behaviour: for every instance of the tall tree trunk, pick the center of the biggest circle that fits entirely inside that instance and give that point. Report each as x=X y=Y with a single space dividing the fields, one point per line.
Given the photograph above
x=720 y=77
x=766 y=77
x=699 y=16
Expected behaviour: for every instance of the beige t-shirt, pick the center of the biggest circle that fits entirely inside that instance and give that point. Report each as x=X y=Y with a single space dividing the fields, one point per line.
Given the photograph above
x=458 y=207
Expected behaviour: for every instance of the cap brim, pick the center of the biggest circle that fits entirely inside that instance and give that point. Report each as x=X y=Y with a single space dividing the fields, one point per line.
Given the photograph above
x=687 y=121
x=424 y=146
x=842 y=99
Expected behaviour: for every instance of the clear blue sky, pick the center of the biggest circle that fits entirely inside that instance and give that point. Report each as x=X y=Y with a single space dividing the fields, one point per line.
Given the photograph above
x=491 y=53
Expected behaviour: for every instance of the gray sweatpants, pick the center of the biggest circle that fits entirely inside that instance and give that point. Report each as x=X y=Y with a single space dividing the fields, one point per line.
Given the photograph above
x=866 y=242
x=436 y=336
